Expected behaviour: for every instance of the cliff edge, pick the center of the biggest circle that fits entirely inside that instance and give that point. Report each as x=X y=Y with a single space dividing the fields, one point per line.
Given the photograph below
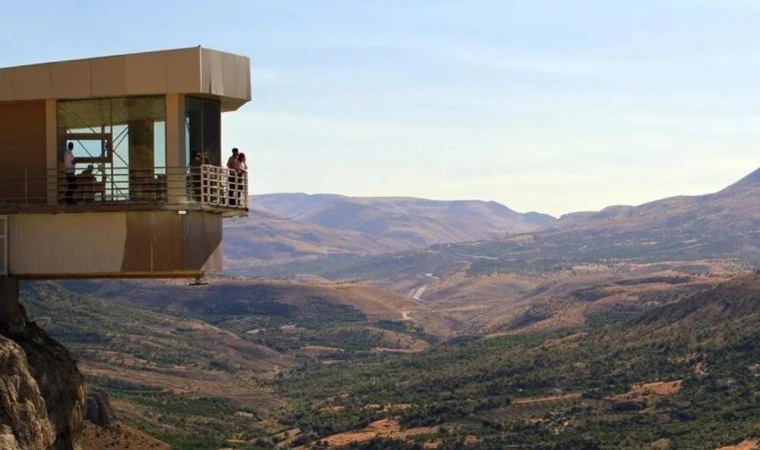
x=42 y=392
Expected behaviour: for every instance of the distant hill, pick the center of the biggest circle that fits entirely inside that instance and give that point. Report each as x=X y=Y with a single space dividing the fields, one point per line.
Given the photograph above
x=289 y=227
x=417 y=222
x=725 y=224
x=263 y=237
x=722 y=225
x=733 y=208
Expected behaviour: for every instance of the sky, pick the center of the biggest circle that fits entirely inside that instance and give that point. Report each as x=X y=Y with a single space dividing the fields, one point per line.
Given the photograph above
x=543 y=105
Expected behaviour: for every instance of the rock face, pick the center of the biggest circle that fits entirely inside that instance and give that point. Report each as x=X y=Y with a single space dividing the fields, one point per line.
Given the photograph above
x=42 y=394
x=99 y=409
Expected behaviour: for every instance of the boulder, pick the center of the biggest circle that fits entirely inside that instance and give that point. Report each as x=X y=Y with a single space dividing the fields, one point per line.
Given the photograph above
x=99 y=409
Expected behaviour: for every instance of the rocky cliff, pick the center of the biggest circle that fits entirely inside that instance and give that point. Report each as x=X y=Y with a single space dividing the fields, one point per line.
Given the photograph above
x=42 y=393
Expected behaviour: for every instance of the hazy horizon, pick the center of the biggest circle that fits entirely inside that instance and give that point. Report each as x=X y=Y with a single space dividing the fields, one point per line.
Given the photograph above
x=475 y=199
x=541 y=106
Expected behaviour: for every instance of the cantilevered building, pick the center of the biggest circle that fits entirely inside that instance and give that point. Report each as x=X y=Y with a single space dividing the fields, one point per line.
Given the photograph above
x=138 y=203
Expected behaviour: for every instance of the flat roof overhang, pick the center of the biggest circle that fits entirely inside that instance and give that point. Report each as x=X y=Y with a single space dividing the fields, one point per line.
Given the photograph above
x=194 y=70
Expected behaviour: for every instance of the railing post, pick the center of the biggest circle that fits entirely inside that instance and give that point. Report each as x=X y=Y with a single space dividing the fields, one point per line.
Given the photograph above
x=204 y=187
x=245 y=191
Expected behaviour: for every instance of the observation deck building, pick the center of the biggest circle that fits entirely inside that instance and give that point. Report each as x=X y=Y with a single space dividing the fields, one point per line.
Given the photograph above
x=135 y=204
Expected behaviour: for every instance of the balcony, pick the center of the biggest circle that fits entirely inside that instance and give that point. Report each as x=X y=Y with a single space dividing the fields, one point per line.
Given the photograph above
x=200 y=188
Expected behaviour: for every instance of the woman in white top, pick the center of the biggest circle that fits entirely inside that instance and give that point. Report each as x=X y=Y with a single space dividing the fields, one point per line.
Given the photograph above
x=242 y=174
x=243 y=166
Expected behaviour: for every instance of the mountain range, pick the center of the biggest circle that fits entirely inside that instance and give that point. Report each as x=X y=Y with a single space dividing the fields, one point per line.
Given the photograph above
x=293 y=226
x=721 y=225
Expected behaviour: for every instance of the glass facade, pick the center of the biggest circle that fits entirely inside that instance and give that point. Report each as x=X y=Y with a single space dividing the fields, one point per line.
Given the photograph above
x=203 y=129
x=124 y=139
x=119 y=145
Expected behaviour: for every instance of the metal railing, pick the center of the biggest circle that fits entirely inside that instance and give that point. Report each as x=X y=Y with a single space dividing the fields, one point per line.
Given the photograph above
x=207 y=186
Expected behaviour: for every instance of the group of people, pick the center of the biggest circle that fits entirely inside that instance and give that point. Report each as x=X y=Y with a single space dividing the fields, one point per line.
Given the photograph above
x=237 y=165
x=80 y=186
x=84 y=185
x=236 y=162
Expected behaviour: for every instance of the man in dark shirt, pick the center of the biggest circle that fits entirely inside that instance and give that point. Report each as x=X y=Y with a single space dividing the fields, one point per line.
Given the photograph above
x=233 y=163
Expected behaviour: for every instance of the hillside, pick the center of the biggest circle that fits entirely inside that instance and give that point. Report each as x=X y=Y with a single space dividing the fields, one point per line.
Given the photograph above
x=225 y=298
x=732 y=209
x=511 y=303
x=597 y=361
x=193 y=366
x=730 y=301
x=680 y=384
x=416 y=222
x=263 y=237
x=118 y=436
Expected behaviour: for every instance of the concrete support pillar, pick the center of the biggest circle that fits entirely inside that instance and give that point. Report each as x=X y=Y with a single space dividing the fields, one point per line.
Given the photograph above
x=176 y=157
x=11 y=312
x=51 y=150
x=141 y=160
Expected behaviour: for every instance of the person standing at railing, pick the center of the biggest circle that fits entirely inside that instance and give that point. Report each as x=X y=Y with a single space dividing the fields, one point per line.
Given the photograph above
x=241 y=161
x=243 y=172
x=69 y=170
x=86 y=184
x=233 y=164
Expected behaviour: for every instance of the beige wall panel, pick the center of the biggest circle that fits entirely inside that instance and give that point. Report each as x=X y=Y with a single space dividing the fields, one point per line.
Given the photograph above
x=237 y=76
x=154 y=242
x=6 y=85
x=203 y=241
x=245 y=68
x=22 y=152
x=73 y=244
x=114 y=244
x=189 y=71
x=169 y=242
x=108 y=76
x=212 y=72
x=146 y=73
x=215 y=262
x=71 y=79
x=32 y=82
x=183 y=72
x=229 y=76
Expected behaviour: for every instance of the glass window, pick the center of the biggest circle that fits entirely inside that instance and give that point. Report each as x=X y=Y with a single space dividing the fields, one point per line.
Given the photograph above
x=124 y=139
x=87 y=124
x=203 y=130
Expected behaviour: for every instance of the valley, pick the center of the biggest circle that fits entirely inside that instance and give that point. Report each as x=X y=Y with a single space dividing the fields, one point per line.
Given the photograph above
x=297 y=227
x=632 y=327
x=249 y=363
